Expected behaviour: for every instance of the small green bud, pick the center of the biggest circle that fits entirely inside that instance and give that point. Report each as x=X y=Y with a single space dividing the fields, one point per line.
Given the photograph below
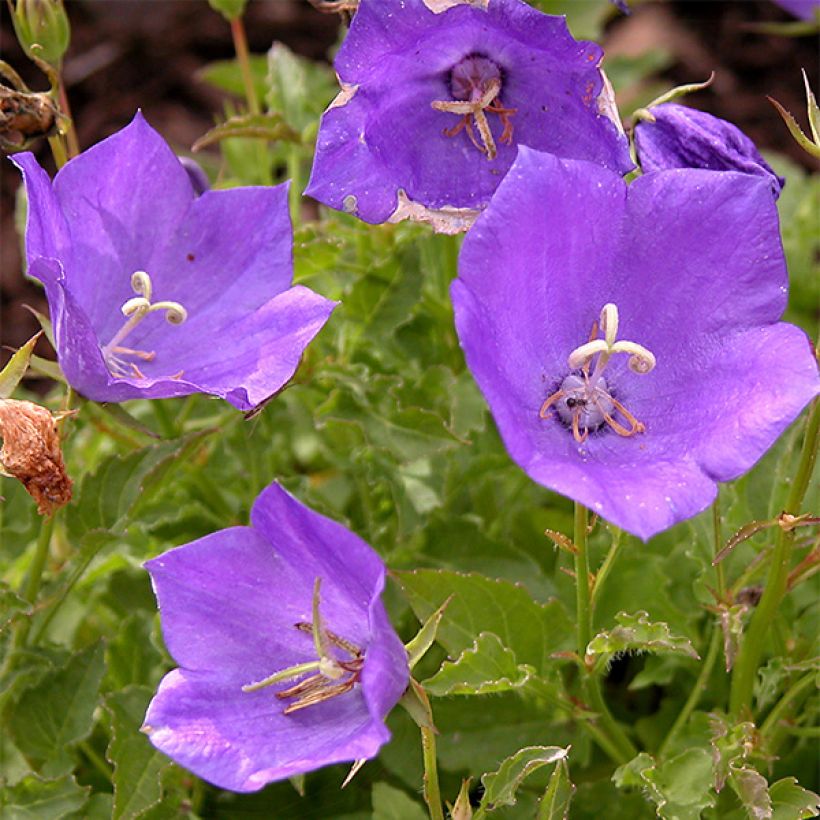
x=42 y=29
x=229 y=9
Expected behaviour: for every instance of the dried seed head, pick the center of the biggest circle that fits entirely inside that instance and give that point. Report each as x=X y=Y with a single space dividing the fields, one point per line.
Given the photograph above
x=31 y=453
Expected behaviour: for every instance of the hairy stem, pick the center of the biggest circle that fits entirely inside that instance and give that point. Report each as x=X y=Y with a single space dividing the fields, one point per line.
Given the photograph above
x=749 y=654
x=618 y=745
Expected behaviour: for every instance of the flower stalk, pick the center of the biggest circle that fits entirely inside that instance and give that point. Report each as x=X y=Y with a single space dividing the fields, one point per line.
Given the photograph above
x=432 y=792
x=748 y=657
x=34 y=579
x=616 y=744
x=240 y=44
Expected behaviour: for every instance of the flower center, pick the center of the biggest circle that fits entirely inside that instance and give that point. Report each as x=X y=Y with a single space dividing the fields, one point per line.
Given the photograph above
x=475 y=83
x=583 y=402
x=328 y=679
x=135 y=310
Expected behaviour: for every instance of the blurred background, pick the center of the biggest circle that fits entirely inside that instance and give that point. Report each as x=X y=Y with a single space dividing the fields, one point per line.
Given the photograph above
x=155 y=54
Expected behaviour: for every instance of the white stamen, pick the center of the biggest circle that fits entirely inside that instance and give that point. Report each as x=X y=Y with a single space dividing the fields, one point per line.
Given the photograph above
x=641 y=360
x=136 y=309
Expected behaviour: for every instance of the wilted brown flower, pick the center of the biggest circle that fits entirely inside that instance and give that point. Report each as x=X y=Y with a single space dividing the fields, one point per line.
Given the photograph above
x=31 y=453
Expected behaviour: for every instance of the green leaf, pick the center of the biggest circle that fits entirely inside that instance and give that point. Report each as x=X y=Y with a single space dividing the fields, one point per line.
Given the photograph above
x=301 y=89
x=487 y=666
x=794 y=129
x=555 y=803
x=532 y=631
x=130 y=656
x=752 y=790
x=109 y=496
x=227 y=76
x=36 y=799
x=137 y=765
x=12 y=374
x=681 y=788
x=500 y=787
x=425 y=637
x=390 y=803
x=58 y=712
x=636 y=633
x=269 y=126
x=12 y=606
x=790 y=801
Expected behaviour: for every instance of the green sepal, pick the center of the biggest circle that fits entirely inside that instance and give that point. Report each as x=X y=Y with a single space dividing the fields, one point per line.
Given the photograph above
x=229 y=9
x=12 y=374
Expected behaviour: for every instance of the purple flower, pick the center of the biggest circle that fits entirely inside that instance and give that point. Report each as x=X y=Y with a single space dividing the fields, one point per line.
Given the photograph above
x=682 y=137
x=804 y=9
x=437 y=94
x=627 y=339
x=287 y=659
x=122 y=242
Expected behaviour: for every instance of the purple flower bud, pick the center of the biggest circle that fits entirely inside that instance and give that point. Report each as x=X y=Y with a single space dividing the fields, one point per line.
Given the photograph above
x=682 y=137
x=436 y=96
x=199 y=179
x=246 y=603
x=154 y=291
x=804 y=9
x=627 y=338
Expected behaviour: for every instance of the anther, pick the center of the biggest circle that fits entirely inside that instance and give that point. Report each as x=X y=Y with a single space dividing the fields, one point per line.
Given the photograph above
x=583 y=401
x=331 y=676
x=135 y=310
x=476 y=86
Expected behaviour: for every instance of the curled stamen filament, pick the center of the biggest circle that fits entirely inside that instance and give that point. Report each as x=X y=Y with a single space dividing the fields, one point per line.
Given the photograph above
x=641 y=360
x=135 y=310
x=586 y=396
x=474 y=111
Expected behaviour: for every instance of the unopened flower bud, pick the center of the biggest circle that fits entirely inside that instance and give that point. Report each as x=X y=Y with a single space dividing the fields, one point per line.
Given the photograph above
x=198 y=177
x=229 y=9
x=42 y=29
x=31 y=453
x=683 y=137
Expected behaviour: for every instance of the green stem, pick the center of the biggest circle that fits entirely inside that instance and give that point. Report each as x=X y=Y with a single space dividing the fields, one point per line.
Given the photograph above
x=771 y=729
x=582 y=597
x=97 y=761
x=58 y=150
x=694 y=695
x=294 y=163
x=240 y=44
x=35 y=578
x=71 y=132
x=432 y=792
x=606 y=567
x=749 y=654
x=164 y=419
x=718 y=534
x=618 y=746
x=54 y=606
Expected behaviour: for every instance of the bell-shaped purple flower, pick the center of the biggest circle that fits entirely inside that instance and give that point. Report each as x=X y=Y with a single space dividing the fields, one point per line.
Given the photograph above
x=437 y=95
x=155 y=291
x=287 y=659
x=683 y=137
x=627 y=338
